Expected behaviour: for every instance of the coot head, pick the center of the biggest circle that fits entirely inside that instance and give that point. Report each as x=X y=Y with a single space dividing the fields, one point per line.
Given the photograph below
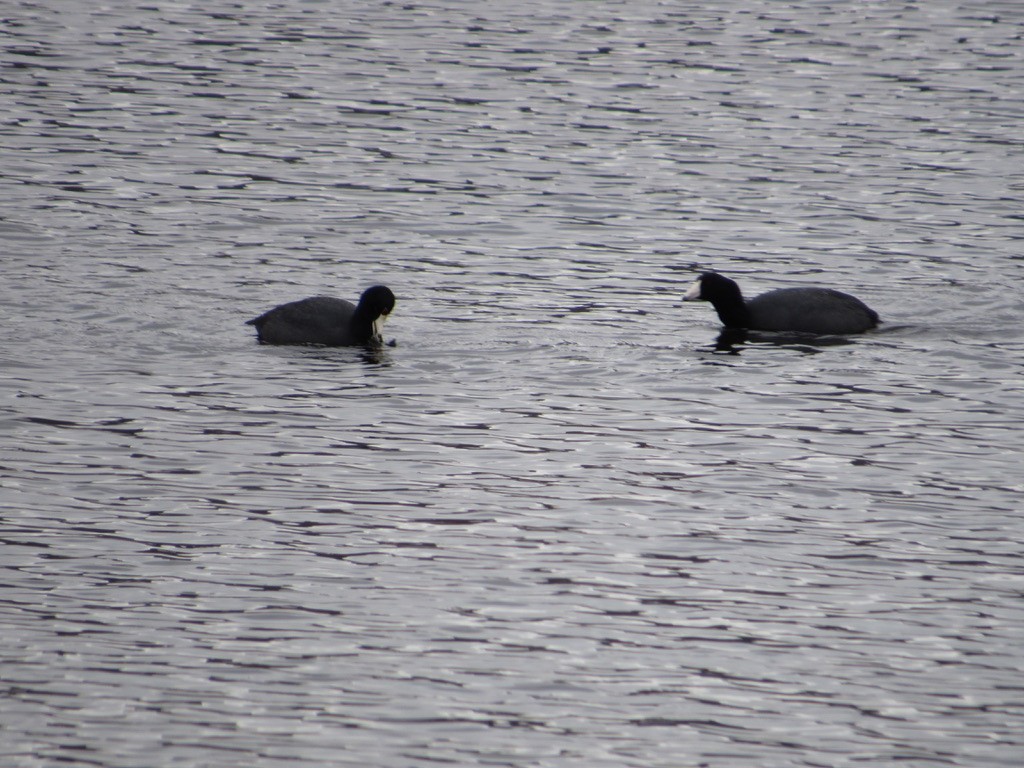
x=711 y=286
x=377 y=301
x=375 y=305
x=724 y=294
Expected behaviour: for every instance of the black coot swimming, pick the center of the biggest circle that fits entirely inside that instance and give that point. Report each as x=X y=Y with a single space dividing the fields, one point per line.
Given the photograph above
x=326 y=320
x=804 y=310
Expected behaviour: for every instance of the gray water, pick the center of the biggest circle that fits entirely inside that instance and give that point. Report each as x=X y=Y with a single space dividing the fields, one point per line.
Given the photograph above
x=554 y=523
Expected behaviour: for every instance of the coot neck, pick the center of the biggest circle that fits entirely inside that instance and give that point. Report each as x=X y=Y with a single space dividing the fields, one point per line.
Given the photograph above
x=361 y=324
x=732 y=312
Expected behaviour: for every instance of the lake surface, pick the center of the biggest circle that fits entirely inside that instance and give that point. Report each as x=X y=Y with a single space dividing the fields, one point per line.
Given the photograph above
x=555 y=523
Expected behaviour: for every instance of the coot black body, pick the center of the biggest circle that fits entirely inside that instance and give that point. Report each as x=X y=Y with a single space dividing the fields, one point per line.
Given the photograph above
x=800 y=309
x=326 y=320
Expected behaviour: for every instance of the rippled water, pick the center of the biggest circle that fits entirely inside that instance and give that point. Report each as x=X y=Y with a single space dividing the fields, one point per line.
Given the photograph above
x=553 y=524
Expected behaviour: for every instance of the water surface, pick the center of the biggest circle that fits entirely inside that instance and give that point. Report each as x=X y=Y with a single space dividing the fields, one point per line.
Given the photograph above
x=555 y=524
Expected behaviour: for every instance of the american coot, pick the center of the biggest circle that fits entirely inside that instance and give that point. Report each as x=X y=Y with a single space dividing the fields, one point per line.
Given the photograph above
x=326 y=320
x=806 y=310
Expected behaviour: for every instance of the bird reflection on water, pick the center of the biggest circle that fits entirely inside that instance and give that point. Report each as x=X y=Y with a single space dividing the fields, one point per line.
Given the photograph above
x=731 y=341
